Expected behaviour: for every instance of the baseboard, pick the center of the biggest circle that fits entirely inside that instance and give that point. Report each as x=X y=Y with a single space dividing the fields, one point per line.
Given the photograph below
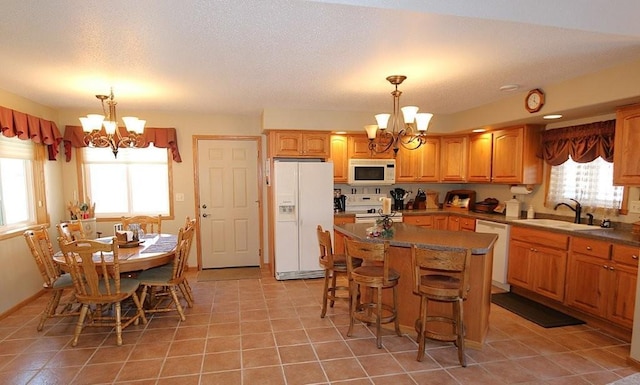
x=20 y=305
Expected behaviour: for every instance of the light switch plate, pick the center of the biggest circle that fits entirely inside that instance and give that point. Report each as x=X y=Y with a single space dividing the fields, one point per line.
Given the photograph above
x=179 y=197
x=634 y=206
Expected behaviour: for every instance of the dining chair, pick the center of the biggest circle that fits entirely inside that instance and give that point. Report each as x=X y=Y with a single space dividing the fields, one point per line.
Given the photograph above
x=441 y=276
x=95 y=270
x=71 y=231
x=54 y=280
x=148 y=224
x=163 y=277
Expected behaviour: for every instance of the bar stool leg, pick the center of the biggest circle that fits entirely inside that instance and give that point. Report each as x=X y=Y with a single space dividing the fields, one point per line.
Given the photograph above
x=333 y=288
x=395 y=311
x=353 y=305
x=325 y=295
x=378 y=318
x=423 y=326
x=460 y=332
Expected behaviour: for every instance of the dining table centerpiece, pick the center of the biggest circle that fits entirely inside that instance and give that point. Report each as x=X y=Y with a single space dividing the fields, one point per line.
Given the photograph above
x=85 y=213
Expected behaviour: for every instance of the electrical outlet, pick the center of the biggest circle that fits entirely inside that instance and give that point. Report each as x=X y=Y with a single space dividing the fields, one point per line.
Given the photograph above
x=634 y=206
x=179 y=197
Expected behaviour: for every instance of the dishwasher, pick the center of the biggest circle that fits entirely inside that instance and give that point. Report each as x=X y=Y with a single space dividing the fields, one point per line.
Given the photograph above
x=500 y=251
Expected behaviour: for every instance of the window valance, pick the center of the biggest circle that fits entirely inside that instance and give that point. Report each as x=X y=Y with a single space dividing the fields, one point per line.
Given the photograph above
x=584 y=143
x=160 y=137
x=28 y=127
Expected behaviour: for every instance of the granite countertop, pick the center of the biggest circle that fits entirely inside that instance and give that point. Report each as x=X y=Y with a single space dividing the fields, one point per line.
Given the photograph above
x=620 y=233
x=406 y=235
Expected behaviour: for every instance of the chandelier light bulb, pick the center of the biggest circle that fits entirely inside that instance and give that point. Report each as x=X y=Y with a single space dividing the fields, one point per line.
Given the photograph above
x=383 y=120
x=409 y=113
x=422 y=121
x=371 y=130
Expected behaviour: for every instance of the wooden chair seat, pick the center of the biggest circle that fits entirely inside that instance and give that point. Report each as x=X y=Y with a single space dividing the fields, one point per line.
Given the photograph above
x=53 y=280
x=374 y=276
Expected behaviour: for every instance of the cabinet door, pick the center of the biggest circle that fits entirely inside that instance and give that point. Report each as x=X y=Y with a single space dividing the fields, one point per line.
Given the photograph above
x=587 y=283
x=454 y=223
x=622 y=294
x=453 y=164
x=480 y=157
x=406 y=164
x=287 y=143
x=549 y=269
x=507 y=155
x=359 y=149
x=340 y=158
x=428 y=162
x=626 y=157
x=520 y=269
x=315 y=145
x=440 y=222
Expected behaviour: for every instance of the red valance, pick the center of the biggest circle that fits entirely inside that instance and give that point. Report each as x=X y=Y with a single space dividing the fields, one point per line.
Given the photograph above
x=160 y=137
x=584 y=143
x=28 y=127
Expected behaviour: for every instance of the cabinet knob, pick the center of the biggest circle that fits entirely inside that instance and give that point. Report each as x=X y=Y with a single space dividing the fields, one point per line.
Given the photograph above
x=634 y=256
x=589 y=248
x=611 y=268
x=605 y=266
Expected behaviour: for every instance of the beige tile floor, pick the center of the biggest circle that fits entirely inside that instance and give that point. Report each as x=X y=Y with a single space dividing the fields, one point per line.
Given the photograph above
x=268 y=332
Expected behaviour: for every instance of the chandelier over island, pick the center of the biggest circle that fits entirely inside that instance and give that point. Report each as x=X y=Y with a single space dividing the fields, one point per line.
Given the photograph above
x=103 y=131
x=409 y=134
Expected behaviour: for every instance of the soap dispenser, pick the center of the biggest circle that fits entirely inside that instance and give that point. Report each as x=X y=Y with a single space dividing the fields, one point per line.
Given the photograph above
x=530 y=213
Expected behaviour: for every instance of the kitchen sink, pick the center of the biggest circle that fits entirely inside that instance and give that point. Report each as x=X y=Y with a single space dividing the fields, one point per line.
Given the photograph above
x=556 y=224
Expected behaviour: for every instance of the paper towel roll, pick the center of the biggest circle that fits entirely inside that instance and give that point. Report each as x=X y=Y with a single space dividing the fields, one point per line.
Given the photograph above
x=520 y=190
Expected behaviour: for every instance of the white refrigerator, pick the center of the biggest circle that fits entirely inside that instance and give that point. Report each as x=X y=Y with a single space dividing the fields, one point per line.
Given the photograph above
x=303 y=194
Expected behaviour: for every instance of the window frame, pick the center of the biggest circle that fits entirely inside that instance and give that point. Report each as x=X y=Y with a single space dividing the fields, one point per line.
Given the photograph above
x=82 y=180
x=547 y=181
x=39 y=195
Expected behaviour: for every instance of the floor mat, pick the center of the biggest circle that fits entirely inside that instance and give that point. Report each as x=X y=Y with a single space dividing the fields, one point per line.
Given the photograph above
x=229 y=274
x=533 y=311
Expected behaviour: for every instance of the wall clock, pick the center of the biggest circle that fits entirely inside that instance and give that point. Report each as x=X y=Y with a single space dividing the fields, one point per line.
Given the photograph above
x=534 y=100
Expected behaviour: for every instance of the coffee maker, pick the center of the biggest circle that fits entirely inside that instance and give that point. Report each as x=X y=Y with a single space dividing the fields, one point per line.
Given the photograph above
x=339 y=201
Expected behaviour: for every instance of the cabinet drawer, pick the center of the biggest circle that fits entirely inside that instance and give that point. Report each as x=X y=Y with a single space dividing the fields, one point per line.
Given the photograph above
x=592 y=247
x=546 y=238
x=468 y=224
x=418 y=220
x=627 y=255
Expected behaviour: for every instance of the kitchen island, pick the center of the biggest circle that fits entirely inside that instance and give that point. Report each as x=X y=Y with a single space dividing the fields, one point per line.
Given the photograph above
x=478 y=303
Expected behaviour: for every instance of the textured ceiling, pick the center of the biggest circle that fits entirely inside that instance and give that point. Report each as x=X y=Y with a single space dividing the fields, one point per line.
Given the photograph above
x=243 y=56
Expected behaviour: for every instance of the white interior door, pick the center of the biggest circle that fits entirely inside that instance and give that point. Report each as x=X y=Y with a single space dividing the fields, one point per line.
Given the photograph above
x=228 y=187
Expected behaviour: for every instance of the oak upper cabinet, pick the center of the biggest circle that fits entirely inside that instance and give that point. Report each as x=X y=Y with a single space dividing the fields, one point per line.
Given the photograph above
x=538 y=261
x=340 y=158
x=480 y=154
x=359 y=149
x=306 y=144
x=514 y=157
x=626 y=157
x=421 y=164
x=453 y=160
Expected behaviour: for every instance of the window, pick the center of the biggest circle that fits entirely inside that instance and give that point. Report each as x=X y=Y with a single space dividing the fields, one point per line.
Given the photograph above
x=134 y=183
x=590 y=183
x=17 y=184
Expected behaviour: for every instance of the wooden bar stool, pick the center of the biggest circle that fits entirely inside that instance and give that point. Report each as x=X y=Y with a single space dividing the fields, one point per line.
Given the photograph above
x=334 y=265
x=441 y=275
x=374 y=273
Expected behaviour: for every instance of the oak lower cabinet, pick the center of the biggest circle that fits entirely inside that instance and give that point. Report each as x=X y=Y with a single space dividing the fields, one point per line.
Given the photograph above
x=340 y=158
x=440 y=222
x=538 y=261
x=421 y=164
x=601 y=279
x=309 y=144
x=626 y=157
x=338 y=238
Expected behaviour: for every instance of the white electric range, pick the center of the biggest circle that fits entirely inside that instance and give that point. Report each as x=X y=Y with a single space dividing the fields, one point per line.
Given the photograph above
x=367 y=207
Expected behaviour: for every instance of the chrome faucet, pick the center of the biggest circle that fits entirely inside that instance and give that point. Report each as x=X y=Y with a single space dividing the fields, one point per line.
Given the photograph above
x=577 y=209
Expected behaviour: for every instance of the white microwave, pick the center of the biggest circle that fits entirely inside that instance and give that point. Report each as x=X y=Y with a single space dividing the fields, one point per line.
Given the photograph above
x=371 y=172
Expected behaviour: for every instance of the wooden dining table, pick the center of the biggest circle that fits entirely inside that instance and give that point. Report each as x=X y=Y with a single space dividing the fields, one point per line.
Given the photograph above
x=152 y=251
